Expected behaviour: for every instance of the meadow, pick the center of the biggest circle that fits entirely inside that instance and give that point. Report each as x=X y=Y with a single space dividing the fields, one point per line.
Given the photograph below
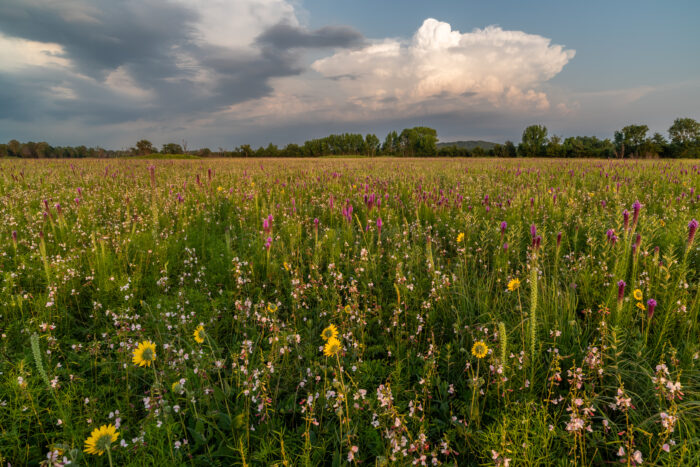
x=349 y=311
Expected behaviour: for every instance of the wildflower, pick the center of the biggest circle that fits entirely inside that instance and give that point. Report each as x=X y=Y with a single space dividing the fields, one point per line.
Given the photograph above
x=514 y=284
x=641 y=306
x=637 y=294
x=621 y=290
x=331 y=332
x=144 y=354
x=460 y=237
x=271 y=307
x=199 y=334
x=332 y=347
x=651 y=303
x=286 y=266
x=692 y=228
x=662 y=223
x=480 y=349
x=100 y=439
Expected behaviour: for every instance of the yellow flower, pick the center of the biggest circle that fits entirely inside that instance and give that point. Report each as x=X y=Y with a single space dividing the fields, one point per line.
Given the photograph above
x=271 y=307
x=145 y=354
x=219 y=188
x=199 y=334
x=348 y=309
x=177 y=386
x=514 y=284
x=331 y=332
x=637 y=294
x=641 y=306
x=480 y=349
x=662 y=223
x=100 y=439
x=460 y=237
x=286 y=266
x=332 y=347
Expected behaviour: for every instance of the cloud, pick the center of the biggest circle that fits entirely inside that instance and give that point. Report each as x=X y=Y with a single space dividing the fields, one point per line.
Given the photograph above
x=148 y=59
x=247 y=64
x=285 y=36
x=505 y=68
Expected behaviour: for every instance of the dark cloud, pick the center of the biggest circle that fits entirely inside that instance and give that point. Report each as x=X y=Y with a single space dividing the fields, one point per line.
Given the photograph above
x=285 y=36
x=146 y=39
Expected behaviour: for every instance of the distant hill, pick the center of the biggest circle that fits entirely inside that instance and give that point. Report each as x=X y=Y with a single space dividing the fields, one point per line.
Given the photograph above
x=468 y=144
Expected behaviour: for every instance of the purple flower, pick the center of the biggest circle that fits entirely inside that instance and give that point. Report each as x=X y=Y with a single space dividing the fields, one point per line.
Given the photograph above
x=379 y=225
x=533 y=231
x=638 y=241
x=626 y=216
x=651 y=304
x=268 y=243
x=621 y=290
x=316 y=223
x=558 y=239
x=692 y=228
x=504 y=226
x=14 y=236
x=505 y=247
x=636 y=207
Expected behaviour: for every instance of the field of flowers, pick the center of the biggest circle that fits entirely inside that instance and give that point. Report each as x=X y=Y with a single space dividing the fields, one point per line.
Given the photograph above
x=341 y=311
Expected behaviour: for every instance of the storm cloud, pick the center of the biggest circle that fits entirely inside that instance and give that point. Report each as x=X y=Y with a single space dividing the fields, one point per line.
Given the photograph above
x=145 y=59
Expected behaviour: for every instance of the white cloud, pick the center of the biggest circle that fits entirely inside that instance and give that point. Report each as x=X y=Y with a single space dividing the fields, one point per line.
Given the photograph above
x=504 y=68
x=236 y=24
x=17 y=54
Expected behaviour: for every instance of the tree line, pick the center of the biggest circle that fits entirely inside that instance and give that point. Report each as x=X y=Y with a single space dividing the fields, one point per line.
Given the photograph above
x=632 y=141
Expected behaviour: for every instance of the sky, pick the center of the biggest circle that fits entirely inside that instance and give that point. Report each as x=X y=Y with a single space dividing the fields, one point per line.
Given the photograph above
x=222 y=73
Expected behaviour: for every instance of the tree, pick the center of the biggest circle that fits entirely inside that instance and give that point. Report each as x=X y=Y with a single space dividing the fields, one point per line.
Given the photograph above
x=533 y=141
x=509 y=149
x=13 y=147
x=391 y=144
x=418 y=141
x=371 y=144
x=630 y=139
x=172 y=148
x=685 y=137
x=144 y=147
x=554 y=147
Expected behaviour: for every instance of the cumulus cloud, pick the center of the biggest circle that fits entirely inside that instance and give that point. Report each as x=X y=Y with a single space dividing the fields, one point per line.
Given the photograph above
x=503 y=67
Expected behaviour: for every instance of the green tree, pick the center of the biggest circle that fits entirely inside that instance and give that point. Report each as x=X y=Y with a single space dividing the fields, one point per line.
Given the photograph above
x=371 y=144
x=630 y=139
x=172 y=148
x=144 y=147
x=533 y=142
x=685 y=137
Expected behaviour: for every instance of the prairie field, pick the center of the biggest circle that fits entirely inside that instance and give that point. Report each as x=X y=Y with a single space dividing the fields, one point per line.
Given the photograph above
x=349 y=311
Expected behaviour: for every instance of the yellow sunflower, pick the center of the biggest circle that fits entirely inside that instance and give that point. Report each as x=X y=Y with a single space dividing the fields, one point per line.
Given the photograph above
x=480 y=349
x=100 y=439
x=641 y=306
x=331 y=332
x=637 y=294
x=199 y=334
x=514 y=284
x=348 y=309
x=144 y=354
x=271 y=307
x=332 y=347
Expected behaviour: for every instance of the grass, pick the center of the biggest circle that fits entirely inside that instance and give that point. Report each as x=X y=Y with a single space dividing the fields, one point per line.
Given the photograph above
x=158 y=156
x=99 y=256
